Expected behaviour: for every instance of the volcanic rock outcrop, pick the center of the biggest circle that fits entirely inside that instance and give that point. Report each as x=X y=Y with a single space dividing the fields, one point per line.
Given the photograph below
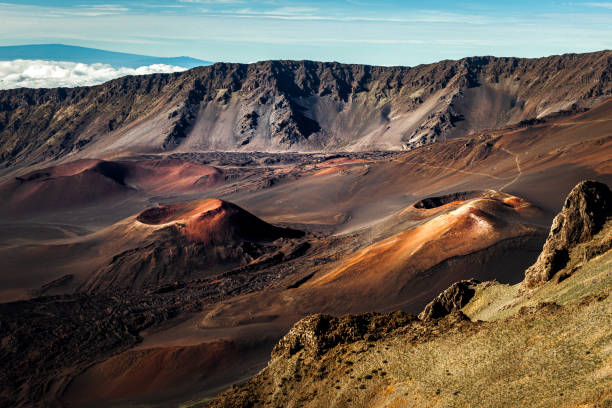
x=317 y=333
x=585 y=211
x=451 y=300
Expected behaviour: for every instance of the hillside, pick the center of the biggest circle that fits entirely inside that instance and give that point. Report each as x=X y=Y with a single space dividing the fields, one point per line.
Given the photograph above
x=544 y=344
x=153 y=250
x=295 y=106
x=180 y=242
x=150 y=303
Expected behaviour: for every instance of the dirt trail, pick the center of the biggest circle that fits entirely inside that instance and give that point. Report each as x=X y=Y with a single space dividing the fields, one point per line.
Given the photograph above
x=518 y=168
x=511 y=181
x=458 y=170
x=581 y=122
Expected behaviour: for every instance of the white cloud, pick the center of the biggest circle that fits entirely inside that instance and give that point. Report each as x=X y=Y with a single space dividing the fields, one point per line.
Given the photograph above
x=283 y=11
x=596 y=4
x=53 y=74
x=310 y=14
x=85 y=10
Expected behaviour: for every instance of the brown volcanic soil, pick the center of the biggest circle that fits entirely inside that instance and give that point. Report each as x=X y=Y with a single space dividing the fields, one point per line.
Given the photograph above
x=363 y=206
x=163 y=374
x=544 y=345
x=144 y=251
x=213 y=220
x=184 y=242
x=56 y=338
x=552 y=157
x=454 y=241
x=90 y=182
x=467 y=227
x=78 y=183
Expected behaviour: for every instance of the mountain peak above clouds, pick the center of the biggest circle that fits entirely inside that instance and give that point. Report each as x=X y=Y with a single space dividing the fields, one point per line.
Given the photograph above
x=59 y=65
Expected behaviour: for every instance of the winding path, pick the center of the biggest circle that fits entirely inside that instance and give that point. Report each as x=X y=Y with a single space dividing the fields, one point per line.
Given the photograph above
x=518 y=168
x=512 y=180
x=458 y=170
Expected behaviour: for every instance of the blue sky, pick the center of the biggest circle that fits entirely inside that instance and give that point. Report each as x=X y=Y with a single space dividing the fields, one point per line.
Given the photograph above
x=353 y=31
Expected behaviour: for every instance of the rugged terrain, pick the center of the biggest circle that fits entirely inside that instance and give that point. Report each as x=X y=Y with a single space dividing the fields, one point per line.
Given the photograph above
x=160 y=234
x=295 y=106
x=486 y=344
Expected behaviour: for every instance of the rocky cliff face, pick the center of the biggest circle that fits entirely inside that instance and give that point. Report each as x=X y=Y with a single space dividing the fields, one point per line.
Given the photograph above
x=451 y=300
x=296 y=106
x=586 y=210
x=318 y=333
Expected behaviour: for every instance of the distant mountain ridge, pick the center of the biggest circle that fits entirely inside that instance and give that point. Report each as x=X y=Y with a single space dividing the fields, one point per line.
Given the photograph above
x=70 y=53
x=278 y=106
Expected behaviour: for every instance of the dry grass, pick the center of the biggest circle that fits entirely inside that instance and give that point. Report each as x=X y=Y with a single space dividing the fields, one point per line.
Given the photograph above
x=542 y=356
x=493 y=302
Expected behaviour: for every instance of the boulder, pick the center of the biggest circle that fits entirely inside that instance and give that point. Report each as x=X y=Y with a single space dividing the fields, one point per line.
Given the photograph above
x=315 y=334
x=584 y=213
x=451 y=300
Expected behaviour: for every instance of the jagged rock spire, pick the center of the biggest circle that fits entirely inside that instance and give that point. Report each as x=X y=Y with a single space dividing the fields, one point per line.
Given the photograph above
x=586 y=209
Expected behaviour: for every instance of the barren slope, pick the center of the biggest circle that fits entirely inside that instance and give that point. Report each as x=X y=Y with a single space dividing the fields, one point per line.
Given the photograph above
x=295 y=106
x=549 y=346
x=168 y=266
